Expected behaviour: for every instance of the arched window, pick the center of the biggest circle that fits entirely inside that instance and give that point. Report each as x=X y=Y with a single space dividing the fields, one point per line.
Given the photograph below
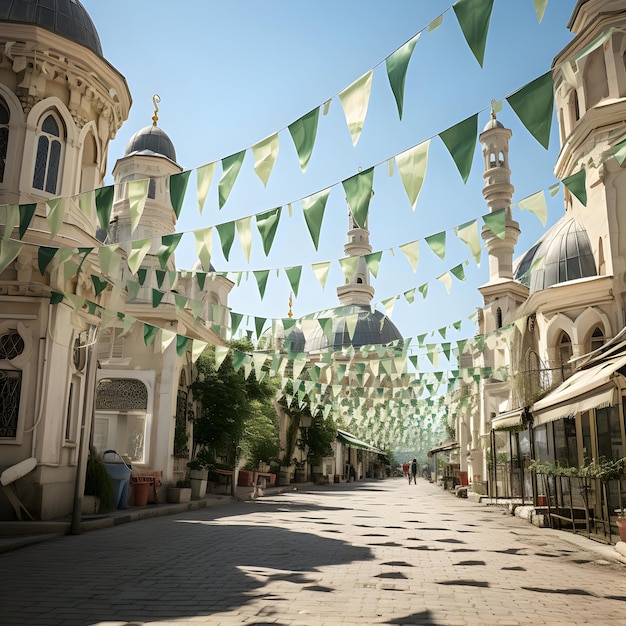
x=565 y=354
x=4 y=136
x=498 y=317
x=48 y=159
x=597 y=338
x=152 y=189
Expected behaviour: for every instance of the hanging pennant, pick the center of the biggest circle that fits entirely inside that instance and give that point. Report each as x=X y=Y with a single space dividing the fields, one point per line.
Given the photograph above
x=230 y=170
x=226 y=232
x=313 y=208
x=576 y=184
x=9 y=220
x=412 y=166
x=139 y=249
x=458 y=272
x=372 y=261
x=245 y=235
x=540 y=8
x=178 y=187
x=168 y=245
x=27 y=211
x=109 y=259
x=167 y=337
x=181 y=344
x=446 y=280
x=204 y=177
x=149 y=333
x=437 y=244
x=536 y=204
x=265 y=153
x=204 y=246
x=321 y=272
x=460 y=140
x=56 y=212
x=261 y=277
x=355 y=100
x=99 y=285
x=358 y=190
x=267 y=223
x=303 y=132
x=349 y=267
x=474 y=17
x=9 y=250
x=411 y=252
x=137 y=194
x=496 y=222
x=468 y=234
x=397 y=64
x=294 y=274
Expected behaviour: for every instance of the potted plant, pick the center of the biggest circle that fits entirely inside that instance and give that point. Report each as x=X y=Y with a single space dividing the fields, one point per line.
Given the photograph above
x=180 y=493
x=99 y=496
x=199 y=475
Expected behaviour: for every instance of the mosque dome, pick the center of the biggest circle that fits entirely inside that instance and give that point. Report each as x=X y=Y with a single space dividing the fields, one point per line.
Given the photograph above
x=493 y=123
x=151 y=140
x=563 y=254
x=67 y=18
x=372 y=328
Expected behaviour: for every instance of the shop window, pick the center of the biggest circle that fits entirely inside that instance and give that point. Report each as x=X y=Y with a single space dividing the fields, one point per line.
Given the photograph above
x=4 y=136
x=49 y=152
x=608 y=433
x=565 y=448
x=585 y=423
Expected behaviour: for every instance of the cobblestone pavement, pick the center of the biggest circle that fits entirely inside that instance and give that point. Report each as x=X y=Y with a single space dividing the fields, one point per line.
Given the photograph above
x=375 y=552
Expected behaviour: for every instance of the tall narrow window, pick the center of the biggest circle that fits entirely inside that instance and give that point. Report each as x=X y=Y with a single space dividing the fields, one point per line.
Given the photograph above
x=499 y=317
x=597 y=339
x=48 y=159
x=4 y=137
x=564 y=355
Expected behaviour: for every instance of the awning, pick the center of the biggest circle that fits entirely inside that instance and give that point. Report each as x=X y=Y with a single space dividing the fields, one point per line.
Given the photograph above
x=351 y=440
x=586 y=389
x=444 y=447
x=507 y=420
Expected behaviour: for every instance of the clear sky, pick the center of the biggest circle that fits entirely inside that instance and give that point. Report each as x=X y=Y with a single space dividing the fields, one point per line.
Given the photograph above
x=231 y=73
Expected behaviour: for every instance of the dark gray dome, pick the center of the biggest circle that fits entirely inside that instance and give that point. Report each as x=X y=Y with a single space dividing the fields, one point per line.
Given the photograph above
x=151 y=140
x=372 y=328
x=67 y=18
x=563 y=254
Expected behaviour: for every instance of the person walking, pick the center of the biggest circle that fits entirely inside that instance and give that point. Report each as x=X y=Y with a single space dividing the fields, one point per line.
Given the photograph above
x=413 y=473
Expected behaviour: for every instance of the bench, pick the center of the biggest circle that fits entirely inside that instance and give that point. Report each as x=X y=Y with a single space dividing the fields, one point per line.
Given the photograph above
x=224 y=477
x=261 y=479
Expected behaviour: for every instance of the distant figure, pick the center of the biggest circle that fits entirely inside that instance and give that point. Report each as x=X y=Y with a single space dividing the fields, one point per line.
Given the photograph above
x=352 y=473
x=406 y=468
x=413 y=472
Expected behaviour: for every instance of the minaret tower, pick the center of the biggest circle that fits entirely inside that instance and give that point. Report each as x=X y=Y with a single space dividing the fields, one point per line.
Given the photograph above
x=357 y=289
x=498 y=192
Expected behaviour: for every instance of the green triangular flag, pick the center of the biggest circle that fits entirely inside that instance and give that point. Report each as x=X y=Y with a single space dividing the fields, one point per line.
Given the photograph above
x=56 y=297
x=44 y=256
x=168 y=245
x=204 y=177
x=410 y=295
x=411 y=252
x=226 y=232
x=423 y=289
x=98 y=285
x=142 y=273
x=412 y=166
x=267 y=223
x=358 y=190
x=534 y=104
x=104 y=204
x=137 y=194
x=259 y=322
x=261 y=277
x=235 y=321
x=204 y=245
x=437 y=244
x=355 y=100
x=181 y=344
x=201 y=278
x=56 y=212
x=244 y=232
x=618 y=150
x=160 y=276
x=9 y=250
x=576 y=185
x=536 y=204
x=265 y=153
x=313 y=209
x=372 y=261
x=167 y=336
x=458 y=271
x=294 y=274
x=178 y=187
x=9 y=219
x=139 y=249
x=468 y=234
x=157 y=296
x=348 y=267
x=397 y=64
x=180 y=302
x=461 y=142
x=303 y=133
x=496 y=222
x=26 y=215
x=474 y=17
x=239 y=359
x=230 y=169
x=149 y=333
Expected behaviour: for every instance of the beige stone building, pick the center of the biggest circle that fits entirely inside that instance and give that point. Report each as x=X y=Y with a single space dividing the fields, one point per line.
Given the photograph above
x=63 y=368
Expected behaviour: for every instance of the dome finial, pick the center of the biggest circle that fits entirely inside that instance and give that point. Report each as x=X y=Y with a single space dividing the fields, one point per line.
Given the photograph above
x=493 y=109
x=155 y=101
x=290 y=312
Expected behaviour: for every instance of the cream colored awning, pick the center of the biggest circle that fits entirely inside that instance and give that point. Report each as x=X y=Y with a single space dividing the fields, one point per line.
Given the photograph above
x=586 y=389
x=509 y=419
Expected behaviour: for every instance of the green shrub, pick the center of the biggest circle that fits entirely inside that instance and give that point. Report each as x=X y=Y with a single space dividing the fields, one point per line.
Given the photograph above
x=98 y=483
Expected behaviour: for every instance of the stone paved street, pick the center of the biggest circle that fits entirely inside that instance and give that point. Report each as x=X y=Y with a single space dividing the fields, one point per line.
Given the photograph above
x=375 y=552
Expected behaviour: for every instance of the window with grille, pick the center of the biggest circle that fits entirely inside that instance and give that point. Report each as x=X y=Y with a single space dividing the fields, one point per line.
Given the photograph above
x=10 y=388
x=11 y=345
x=48 y=159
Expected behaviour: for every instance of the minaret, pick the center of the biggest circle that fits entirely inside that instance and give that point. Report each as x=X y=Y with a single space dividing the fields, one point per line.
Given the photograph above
x=498 y=192
x=357 y=289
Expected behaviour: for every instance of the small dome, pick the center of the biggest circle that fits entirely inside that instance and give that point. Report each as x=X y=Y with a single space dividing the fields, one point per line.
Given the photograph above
x=151 y=140
x=562 y=254
x=493 y=123
x=198 y=267
x=67 y=18
x=291 y=340
x=372 y=328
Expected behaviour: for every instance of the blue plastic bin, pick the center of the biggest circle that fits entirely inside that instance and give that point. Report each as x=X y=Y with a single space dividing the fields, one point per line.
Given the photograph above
x=120 y=476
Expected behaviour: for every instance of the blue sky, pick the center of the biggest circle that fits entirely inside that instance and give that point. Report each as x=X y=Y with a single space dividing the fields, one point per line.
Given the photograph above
x=231 y=73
